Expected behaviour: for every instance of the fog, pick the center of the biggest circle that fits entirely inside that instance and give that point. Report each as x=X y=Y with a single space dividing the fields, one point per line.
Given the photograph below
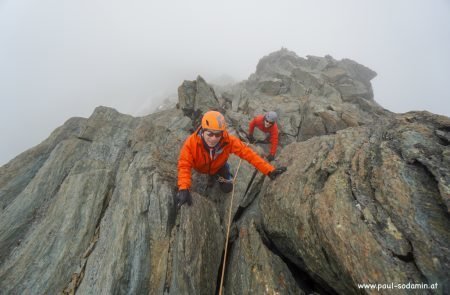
x=61 y=59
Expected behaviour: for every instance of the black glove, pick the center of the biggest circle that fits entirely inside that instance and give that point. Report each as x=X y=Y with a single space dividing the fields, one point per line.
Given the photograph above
x=270 y=158
x=273 y=174
x=251 y=139
x=183 y=196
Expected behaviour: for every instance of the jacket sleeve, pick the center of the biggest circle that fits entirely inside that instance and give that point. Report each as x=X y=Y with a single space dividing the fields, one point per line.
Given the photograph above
x=251 y=127
x=185 y=163
x=246 y=153
x=274 y=139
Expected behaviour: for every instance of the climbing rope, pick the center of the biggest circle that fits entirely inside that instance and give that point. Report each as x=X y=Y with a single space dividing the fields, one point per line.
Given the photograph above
x=228 y=229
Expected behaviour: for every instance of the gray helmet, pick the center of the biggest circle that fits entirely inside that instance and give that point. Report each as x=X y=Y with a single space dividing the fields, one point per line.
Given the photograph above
x=271 y=116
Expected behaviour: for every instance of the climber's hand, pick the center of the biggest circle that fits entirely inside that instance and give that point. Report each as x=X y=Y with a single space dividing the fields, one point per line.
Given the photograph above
x=274 y=173
x=184 y=196
x=251 y=139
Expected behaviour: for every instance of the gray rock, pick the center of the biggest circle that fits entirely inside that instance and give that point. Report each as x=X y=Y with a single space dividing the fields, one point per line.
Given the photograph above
x=271 y=87
x=361 y=194
x=197 y=249
x=197 y=96
x=366 y=196
x=254 y=269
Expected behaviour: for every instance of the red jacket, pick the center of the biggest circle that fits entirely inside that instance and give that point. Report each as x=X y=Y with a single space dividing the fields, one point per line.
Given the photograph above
x=195 y=155
x=258 y=121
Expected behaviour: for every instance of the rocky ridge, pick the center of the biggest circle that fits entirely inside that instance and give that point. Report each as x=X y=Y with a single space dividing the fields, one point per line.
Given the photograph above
x=365 y=198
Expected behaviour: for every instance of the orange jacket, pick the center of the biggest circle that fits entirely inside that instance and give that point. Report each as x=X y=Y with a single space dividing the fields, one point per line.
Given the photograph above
x=258 y=121
x=194 y=154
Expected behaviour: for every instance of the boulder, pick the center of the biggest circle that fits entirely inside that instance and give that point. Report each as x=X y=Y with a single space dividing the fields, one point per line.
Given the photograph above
x=194 y=96
x=368 y=204
x=255 y=269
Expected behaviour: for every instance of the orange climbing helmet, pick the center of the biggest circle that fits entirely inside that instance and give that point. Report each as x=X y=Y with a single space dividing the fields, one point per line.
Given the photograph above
x=213 y=120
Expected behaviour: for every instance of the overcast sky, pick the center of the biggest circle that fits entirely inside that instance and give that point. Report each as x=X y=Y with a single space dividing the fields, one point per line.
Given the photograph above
x=61 y=58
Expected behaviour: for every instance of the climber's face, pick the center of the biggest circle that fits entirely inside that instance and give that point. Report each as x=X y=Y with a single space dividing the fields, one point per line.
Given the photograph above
x=212 y=138
x=267 y=124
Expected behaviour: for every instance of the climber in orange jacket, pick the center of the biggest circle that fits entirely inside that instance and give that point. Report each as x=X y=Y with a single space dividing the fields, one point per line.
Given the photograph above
x=207 y=151
x=267 y=123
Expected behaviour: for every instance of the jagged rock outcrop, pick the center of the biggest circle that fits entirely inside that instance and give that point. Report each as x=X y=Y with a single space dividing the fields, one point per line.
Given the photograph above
x=369 y=198
x=365 y=199
x=196 y=96
x=314 y=96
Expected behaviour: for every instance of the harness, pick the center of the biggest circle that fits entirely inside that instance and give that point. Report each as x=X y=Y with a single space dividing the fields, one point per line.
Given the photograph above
x=224 y=180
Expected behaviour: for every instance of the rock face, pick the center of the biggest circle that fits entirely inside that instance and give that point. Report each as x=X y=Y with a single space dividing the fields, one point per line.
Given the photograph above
x=196 y=96
x=365 y=199
x=313 y=96
x=366 y=205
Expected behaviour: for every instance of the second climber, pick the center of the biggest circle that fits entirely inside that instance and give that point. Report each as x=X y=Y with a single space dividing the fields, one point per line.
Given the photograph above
x=267 y=123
